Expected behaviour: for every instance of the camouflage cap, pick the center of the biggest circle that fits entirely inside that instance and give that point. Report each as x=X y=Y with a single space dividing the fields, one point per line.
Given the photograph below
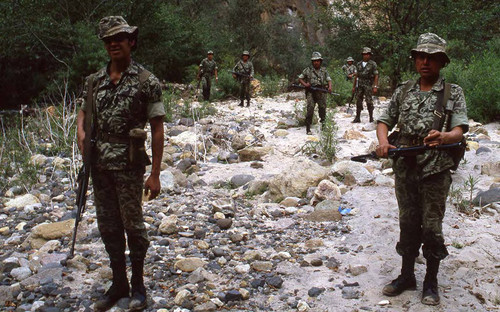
x=366 y=50
x=431 y=43
x=112 y=25
x=210 y=52
x=245 y=53
x=350 y=59
x=316 y=56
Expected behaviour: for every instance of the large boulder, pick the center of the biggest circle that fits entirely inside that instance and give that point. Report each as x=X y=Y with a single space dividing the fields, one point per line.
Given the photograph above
x=238 y=142
x=487 y=197
x=296 y=179
x=22 y=201
x=45 y=232
x=241 y=179
x=360 y=174
x=254 y=153
x=491 y=168
x=186 y=137
x=167 y=180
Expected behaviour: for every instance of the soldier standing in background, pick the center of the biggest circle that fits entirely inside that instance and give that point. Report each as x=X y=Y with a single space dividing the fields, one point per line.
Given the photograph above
x=208 y=69
x=423 y=181
x=243 y=72
x=349 y=69
x=315 y=76
x=126 y=96
x=367 y=84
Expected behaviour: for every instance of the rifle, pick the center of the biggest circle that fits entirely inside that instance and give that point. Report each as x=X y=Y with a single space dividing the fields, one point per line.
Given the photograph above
x=295 y=85
x=408 y=151
x=84 y=173
x=239 y=74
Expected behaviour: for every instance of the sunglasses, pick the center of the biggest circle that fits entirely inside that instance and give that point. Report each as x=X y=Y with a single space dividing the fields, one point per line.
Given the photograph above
x=116 y=38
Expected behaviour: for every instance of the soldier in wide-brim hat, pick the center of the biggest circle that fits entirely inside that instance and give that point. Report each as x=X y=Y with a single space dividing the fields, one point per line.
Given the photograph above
x=430 y=112
x=365 y=84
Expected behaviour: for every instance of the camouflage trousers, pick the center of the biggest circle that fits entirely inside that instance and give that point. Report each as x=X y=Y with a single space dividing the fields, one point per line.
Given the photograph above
x=245 y=90
x=312 y=98
x=206 y=83
x=364 y=91
x=118 y=200
x=422 y=205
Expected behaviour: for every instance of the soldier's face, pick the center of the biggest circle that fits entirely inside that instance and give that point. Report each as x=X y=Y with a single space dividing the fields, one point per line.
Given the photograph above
x=316 y=64
x=349 y=63
x=428 y=65
x=245 y=58
x=119 y=47
x=210 y=56
x=366 y=57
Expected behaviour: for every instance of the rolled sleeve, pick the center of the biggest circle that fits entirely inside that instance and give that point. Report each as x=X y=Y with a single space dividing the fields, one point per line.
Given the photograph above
x=459 y=112
x=154 y=95
x=391 y=114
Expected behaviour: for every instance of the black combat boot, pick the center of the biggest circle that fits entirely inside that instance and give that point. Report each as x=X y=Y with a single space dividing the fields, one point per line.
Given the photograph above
x=241 y=103
x=357 y=119
x=248 y=103
x=119 y=289
x=430 y=294
x=139 y=299
x=371 y=115
x=405 y=281
x=308 y=130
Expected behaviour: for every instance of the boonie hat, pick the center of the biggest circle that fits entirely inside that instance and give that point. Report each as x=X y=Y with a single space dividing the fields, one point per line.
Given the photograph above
x=367 y=50
x=210 y=52
x=431 y=44
x=349 y=59
x=112 y=25
x=245 y=53
x=316 y=56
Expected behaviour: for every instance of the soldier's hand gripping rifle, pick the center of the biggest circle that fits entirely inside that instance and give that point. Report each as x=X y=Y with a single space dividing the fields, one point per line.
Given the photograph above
x=299 y=86
x=240 y=74
x=408 y=151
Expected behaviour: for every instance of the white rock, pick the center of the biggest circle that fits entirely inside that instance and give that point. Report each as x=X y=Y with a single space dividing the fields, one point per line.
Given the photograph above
x=242 y=268
x=186 y=137
x=360 y=173
x=302 y=306
x=181 y=296
x=384 y=302
x=38 y=160
x=167 y=180
x=383 y=180
x=20 y=273
x=169 y=225
x=22 y=201
x=219 y=215
x=327 y=190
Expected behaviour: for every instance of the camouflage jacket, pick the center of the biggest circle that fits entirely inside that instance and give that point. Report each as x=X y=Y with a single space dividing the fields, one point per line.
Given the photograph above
x=315 y=77
x=414 y=115
x=366 y=74
x=119 y=108
x=207 y=67
x=348 y=70
x=244 y=68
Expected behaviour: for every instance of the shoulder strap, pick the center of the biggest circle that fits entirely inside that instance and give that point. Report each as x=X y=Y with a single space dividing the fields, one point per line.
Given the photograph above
x=442 y=98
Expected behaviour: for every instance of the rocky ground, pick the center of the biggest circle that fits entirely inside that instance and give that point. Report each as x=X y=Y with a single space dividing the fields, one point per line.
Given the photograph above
x=247 y=222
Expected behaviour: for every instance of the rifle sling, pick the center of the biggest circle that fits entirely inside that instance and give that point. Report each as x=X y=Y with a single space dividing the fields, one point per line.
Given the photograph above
x=89 y=112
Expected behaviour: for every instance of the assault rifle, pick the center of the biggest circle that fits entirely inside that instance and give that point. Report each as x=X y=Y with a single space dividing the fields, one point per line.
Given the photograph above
x=408 y=151
x=312 y=88
x=81 y=199
x=239 y=74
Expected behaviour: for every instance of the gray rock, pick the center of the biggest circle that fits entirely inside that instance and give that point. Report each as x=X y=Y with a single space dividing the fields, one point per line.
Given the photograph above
x=327 y=205
x=274 y=281
x=238 y=142
x=224 y=224
x=483 y=149
x=233 y=295
x=241 y=179
x=166 y=180
x=9 y=264
x=184 y=164
x=315 y=291
x=487 y=197
x=21 y=273
x=205 y=307
x=189 y=122
x=350 y=293
x=316 y=262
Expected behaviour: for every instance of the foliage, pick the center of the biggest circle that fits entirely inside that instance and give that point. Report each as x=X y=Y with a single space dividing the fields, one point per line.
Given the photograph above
x=326 y=146
x=272 y=85
x=227 y=86
x=481 y=83
x=339 y=85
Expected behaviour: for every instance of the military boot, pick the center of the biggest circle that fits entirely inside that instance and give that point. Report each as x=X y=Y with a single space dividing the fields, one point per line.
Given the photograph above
x=405 y=281
x=139 y=299
x=371 y=115
x=119 y=289
x=308 y=130
x=248 y=103
x=357 y=119
x=241 y=103
x=430 y=294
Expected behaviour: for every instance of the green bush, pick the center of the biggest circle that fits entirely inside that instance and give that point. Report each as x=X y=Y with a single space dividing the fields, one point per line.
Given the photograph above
x=170 y=98
x=339 y=85
x=271 y=85
x=227 y=86
x=480 y=82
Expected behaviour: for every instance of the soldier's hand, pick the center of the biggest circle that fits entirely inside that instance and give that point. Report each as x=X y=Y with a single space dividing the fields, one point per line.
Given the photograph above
x=353 y=89
x=434 y=138
x=234 y=76
x=307 y=85
x=382 y=149
x=80 y=140
x=375 y=89
x=152 y=186
x=330 y=89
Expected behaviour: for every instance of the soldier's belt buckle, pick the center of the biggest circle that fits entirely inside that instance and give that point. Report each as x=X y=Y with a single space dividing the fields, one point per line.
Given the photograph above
x=438 y=113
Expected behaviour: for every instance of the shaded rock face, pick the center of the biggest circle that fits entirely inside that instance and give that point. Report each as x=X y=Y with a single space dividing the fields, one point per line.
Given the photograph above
x=296 y=179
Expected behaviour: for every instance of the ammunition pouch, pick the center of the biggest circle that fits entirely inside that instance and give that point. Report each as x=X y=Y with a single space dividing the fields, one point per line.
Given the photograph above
x=137 y=151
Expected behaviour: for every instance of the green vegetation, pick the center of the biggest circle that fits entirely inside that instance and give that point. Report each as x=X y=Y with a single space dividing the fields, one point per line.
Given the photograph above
x=326 y=146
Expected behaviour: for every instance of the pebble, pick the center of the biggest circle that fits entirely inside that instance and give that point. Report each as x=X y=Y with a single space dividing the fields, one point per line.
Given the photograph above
x=262 y=265
x=315 y=291
x=224 y=224
x=233 y=295
x=350 y=293
x=275 y=281
x=316 y=262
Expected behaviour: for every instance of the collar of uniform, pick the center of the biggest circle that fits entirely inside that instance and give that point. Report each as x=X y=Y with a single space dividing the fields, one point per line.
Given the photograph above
x=438 y=85
x=132 y=69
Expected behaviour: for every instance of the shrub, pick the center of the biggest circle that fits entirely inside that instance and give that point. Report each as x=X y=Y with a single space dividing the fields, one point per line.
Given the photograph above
x=339 y=85
x=227 y=86
x=272 y=85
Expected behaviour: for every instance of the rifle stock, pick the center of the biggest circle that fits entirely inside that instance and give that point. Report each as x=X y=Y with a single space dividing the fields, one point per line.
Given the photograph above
x=313 y=89
x=407 y=151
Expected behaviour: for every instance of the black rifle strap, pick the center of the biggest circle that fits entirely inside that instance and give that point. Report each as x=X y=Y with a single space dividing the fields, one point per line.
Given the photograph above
x=89 y=112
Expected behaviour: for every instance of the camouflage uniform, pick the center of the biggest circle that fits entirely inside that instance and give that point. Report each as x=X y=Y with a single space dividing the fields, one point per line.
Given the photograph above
x=118 y=185
x=317 y=78
x=245 y=68
x=349 y=69
x=365 y=76
x=422 y=181
x=207 y=71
